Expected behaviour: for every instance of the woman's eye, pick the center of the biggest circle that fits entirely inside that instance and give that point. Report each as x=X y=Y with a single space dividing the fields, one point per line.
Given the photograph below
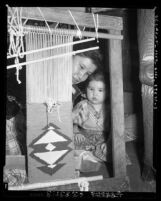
x=82 y=67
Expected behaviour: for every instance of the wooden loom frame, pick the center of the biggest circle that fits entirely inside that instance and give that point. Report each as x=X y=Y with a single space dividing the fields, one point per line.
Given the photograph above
x=114 y=25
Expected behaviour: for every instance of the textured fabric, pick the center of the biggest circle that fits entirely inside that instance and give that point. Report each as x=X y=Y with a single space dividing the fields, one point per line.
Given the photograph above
x=12 y=146
x=15 y=134
x=14 y=177
x=94 y=120
x=93 y=142
x=15 y=127
x=131 y=126
x=89 y=163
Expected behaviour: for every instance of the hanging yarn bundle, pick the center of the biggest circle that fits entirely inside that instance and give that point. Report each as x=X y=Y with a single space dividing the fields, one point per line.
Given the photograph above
x=50 y=79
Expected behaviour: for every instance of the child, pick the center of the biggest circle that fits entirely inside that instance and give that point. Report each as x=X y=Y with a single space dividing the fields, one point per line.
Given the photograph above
x=88 y=119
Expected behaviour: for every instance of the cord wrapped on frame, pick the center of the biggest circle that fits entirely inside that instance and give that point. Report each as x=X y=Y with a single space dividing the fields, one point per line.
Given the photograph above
x=16 y=38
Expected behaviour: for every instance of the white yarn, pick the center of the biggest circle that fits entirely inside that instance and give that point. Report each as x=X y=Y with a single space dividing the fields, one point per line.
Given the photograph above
x=52 y=78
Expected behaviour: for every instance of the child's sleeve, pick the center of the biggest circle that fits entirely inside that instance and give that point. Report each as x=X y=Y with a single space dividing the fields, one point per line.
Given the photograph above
x=80 y=113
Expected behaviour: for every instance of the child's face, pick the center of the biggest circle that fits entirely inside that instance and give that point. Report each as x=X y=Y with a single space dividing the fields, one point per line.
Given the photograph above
x=96 y=92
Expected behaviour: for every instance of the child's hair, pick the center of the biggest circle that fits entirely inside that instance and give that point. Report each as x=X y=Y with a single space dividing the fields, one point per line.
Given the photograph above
x=97 y=76
x=100 y=76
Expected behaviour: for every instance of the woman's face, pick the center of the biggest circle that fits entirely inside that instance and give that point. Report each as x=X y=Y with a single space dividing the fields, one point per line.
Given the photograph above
x=82 y=68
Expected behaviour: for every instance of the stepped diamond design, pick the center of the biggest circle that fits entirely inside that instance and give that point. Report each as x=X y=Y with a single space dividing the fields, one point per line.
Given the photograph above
x=52 y=153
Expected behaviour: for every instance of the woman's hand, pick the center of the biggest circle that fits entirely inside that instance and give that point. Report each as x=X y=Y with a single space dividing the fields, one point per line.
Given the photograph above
x=79 y=138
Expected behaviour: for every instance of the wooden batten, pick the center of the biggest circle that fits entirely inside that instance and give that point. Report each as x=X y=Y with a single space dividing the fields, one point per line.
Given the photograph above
x=117 y=107
x=52 y=14
x=15 y=161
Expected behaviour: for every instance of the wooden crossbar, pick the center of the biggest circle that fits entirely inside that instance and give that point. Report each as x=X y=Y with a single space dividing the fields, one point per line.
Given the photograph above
x=52 y=14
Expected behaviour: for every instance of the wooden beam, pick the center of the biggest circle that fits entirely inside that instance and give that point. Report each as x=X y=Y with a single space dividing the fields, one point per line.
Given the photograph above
x=52 y=14
x=117 y=107
x=55 y=183
x=73 y=32
x=96 y=10
x=97 y=184
x=78 y=9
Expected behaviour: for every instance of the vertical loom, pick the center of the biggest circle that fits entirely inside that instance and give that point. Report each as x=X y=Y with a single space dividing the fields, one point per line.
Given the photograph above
x=41 y=89
x=49 y=134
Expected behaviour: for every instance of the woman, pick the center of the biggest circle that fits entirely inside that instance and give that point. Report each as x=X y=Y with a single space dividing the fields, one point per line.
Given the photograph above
x=84 y=64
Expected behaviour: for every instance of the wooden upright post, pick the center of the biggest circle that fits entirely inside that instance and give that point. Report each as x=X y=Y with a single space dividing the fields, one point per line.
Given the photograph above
x=117 y=107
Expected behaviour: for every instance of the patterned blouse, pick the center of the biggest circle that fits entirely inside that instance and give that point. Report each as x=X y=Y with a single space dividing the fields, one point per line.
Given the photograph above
x=92 y=129
x=94 y=119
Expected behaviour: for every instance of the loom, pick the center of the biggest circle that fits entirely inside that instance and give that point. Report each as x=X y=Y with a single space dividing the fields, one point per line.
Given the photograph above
x=49 y=85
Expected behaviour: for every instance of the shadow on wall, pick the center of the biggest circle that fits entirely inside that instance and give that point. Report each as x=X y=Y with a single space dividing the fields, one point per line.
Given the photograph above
x=134 y=59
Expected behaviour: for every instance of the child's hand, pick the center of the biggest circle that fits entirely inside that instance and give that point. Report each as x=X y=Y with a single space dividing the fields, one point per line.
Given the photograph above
x=81 y=114
x=104 y=148
x=79 y=138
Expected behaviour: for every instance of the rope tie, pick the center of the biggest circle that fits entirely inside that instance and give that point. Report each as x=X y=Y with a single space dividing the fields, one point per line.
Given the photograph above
x=83 y=185
x=16 y=35
x=56 y=25
x=79 y=33
x=16 y=38
x=12 y=47
x=51 y=105
x=96 y=25
x=17 y=70
x=44 y=19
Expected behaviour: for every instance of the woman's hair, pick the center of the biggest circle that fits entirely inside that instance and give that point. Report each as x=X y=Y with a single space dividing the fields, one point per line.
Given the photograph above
x=94 y=55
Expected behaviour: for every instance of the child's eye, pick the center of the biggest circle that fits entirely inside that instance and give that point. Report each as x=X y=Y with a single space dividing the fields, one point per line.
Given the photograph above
x=101 y=90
